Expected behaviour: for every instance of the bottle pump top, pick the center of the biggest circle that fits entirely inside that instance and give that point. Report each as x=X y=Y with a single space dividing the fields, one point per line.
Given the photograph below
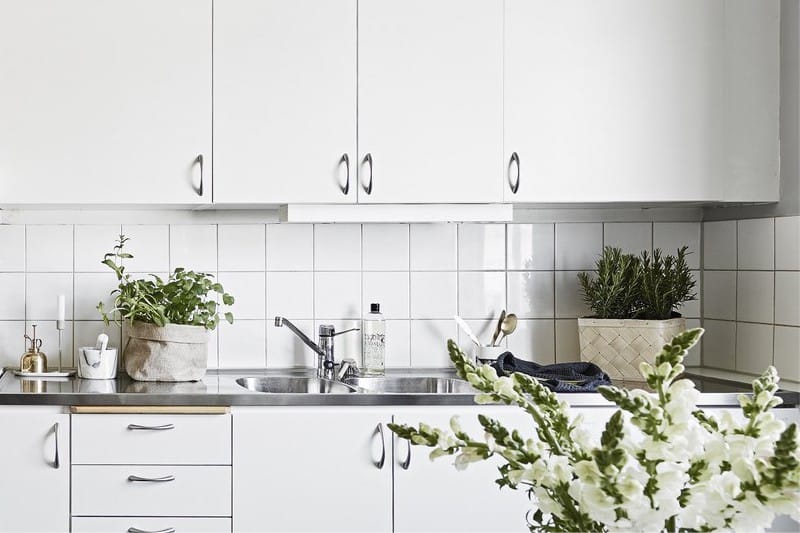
x=375 y=308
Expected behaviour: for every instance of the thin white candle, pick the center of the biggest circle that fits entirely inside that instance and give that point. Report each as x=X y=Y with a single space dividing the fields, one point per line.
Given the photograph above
x=61 y=306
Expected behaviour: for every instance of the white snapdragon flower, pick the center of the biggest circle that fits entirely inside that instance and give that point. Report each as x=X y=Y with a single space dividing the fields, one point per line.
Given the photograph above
x=594 y=502
x=752 y=515
x=504 y=387
x=561 y=468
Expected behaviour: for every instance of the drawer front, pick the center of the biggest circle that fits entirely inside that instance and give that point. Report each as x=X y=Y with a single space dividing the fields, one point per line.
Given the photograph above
x=192 y=491
x=150 y=525
x=151 y=439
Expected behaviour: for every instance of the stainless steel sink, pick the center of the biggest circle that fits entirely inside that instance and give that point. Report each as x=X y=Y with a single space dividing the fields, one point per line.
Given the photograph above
x=411 y=385
x=294 y=385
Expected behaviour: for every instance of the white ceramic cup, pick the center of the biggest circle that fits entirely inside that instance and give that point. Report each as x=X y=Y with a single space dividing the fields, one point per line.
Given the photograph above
x=97 y=364
x=489 y=354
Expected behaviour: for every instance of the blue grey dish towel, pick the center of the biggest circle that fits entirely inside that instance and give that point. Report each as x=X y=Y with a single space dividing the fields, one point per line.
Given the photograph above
x=559 y=377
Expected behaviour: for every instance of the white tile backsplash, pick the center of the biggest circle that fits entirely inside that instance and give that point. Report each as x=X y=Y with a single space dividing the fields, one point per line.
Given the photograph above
x=291 y=247
x=787 y=298
x=12 y=302
x=632 y=238
x=337 y=247
x=434 y=295
x=429 y=342
x=482 y=247
x=193 y=247
x=534 y=340
x=390 y=290
x=481 y=294
x=531 y=294
x=569 y=300
x=46 y=330
x=290 y=294
x=719 y=294
x=433 y=247
x=755 y=296
x=12 y=342
x=249 y=292
x=385 y=247
x=149 y=246
x=670 y=236
x=719 y=344
x=787 y=352
x=285 y=349
x=398 y=344
x=12 y=248
x=568 y=347
x=242 y=344
x=90 y=289
x=753 y=347
x=719 y=245
x=337 y=294
x=578 y=245
x=756 y=244
x=531 y=247
x=49 y=248
x=787 y=243
x=41 y=295
x=92 y=242
x=241 y=247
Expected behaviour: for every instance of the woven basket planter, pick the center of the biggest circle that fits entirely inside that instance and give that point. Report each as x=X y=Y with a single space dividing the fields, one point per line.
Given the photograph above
x=619 y=346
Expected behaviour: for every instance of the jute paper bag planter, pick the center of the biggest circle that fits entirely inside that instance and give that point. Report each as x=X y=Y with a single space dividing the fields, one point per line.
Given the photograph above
x=619 y=346
x=174 y=352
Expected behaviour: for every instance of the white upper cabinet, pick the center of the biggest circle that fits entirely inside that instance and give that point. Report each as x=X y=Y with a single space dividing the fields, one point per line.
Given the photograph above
x=105 y=101
x=430 y=101
x=285 y=101
x=613 y=100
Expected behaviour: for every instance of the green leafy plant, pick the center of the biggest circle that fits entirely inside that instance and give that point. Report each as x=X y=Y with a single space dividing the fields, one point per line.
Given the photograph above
x=647 y=287
x=182 y=299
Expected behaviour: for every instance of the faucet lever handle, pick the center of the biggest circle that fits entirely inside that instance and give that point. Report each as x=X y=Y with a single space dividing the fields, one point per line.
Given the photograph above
x=345 y=331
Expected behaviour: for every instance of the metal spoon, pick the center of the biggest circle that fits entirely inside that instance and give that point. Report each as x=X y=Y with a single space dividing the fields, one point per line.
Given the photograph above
x=497 y=329
x=507 y=327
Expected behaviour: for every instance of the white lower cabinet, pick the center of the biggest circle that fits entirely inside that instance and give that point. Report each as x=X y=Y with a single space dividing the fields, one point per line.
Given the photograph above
x=34 y=469
x=323 y=468
x=138 y=524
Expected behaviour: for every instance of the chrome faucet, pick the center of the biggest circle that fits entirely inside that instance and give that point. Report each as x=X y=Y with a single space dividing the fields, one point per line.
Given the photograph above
x=326 y=363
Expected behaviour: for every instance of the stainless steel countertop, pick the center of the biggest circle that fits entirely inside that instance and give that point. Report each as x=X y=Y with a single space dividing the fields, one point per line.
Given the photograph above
x=219 y=388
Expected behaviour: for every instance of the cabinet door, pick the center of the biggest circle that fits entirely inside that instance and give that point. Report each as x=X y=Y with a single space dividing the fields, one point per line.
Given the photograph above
x=430 y=100
x=311 y=469
x=105 y=101
x=33 y=480
x=619 y=100
x=432 y=496
x=285 y=101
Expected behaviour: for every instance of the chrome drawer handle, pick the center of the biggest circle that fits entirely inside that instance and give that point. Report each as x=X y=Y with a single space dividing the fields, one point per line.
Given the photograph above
x=368 y=160
x=199 y=161
x=514 y=162
x=56 y=462
x=346 y=160
x=137 y=530
x=162 y=479
x=379 y=432
x=163 y=427
x=405 y=464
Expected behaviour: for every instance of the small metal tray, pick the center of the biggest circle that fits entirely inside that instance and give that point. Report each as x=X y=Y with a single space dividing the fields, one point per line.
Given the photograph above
x=45 y=375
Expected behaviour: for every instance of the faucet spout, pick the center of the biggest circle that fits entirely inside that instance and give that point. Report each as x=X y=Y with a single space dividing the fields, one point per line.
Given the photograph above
x=280 y=322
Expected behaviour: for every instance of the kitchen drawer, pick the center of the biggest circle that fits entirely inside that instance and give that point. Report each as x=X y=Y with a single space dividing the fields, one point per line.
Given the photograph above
x=149 y=524
x=107 y=491
x=126 y=439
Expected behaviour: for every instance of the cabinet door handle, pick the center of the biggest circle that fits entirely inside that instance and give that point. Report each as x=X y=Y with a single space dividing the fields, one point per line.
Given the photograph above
x=162 y=479
x=137 y=530
x=56 y=462
x=514 y=161
x=346 y=160
x=405 y=464
x=162 y=427
x=379 y=431
x=368 y=160
x=199 y=161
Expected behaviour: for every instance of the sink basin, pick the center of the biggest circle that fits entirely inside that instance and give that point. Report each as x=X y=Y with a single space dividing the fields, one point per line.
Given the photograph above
x=412 y=385
x=293 y=385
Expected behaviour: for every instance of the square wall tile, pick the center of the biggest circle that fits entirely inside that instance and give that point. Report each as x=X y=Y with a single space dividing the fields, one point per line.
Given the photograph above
x=286 y=350
x=569 y=300
x=193 y=247
x=337 y=247
x=12 y=342
x=787 y=243
x=337 y=295
x=753 y=347
x=578 y=245
x=787 y=298
x=290 y=294
x=241 y=247
x=46 y=330
x=429 y=343
x=481 y=294
x=290 y=247
x=398 y=344
x=92 y=242
x=249 y=293
x=434 y=295
x=12 y=248
x=242 y=344
x=49 y=248
x=755 y=296
x=568 y=347
x=348 y=345
x=631 y=237
x=149 y=246
x=719 y=245
x=41 y=295
x=390 y=289
x=90 y=289
x=12 y=304
x=693 y=358
x=385 y=247
x=213 y=348
x=670 y=236
x=719 y=294
x=433 y=247
x=481 y=246
x=756 y=248
x=534 y=340
x=719 y=344
x=787 y=352
x=531 y=294
x=692 y=307
x=531 y=247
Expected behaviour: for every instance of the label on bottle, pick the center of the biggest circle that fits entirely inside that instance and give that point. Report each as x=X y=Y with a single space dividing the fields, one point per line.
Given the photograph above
x=374 y=350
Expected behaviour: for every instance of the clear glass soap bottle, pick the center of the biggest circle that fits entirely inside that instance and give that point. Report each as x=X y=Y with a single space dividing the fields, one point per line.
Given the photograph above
x=373 y=329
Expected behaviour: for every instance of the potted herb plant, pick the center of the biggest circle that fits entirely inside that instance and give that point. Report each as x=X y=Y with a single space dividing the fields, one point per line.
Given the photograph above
x=168 y=320
x=635 y=302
